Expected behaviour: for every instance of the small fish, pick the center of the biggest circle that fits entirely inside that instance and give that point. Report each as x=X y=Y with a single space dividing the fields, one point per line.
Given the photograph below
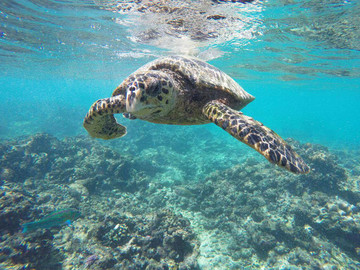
x=184 y=192
x=55 y=219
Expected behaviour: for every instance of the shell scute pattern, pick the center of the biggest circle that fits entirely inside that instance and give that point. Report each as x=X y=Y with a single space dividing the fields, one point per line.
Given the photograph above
x=200 y=74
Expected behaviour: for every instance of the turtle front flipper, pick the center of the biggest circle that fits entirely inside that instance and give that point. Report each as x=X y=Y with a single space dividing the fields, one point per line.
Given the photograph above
x=100 y=121
x=256 y=135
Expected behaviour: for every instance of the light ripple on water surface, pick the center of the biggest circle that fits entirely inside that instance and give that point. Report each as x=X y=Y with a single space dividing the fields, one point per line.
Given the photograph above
x=292 y=38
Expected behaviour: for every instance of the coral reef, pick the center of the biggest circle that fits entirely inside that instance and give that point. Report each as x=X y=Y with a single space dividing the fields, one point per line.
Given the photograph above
x=33 y=251
x=41 y=173
x=160 y=241
x=44 y=158
x=14 y=207
x=137 y=212
x=280 y=219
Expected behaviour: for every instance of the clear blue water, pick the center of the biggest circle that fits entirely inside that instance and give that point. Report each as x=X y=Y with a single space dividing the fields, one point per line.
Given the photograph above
x=300 y=59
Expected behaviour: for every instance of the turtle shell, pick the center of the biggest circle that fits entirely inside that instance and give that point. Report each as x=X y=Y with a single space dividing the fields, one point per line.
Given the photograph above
x=201 y=74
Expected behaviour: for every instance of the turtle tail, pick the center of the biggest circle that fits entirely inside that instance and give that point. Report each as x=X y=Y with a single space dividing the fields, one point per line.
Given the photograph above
x=256 y=135
x=100 y=121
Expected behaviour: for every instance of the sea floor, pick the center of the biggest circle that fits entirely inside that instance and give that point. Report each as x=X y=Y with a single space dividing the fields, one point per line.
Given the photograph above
x=157 y=209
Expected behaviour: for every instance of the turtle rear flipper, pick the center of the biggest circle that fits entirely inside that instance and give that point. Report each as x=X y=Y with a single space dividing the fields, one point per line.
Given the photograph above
x=100 y=121
x=256 y=135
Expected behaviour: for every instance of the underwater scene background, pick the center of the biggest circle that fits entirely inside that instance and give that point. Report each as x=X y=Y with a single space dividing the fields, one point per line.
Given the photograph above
x=178 y=197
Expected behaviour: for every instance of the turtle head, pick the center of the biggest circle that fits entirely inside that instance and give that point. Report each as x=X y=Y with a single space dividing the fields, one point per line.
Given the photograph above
x=149 y=94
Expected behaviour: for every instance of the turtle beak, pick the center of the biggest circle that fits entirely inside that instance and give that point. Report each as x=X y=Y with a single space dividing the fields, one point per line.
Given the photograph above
x=133 y=95
x=136 y=101
x=130 y=100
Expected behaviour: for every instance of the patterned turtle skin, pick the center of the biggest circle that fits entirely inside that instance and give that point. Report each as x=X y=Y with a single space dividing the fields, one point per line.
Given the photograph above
x=181 y=90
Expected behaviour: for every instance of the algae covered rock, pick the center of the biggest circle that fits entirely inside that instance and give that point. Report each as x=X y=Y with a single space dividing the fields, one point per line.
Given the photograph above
x=326 y=175
x=159 y=241
x=35 y=251
x=27 y=157
x=43 y=157
x=278 y=217
x=334 y=219
x=248 y=214
x=14 y=208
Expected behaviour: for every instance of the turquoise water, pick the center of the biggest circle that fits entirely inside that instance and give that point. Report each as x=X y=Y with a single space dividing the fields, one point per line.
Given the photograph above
x=58 y=57
x=318 y=110
x=300 y=59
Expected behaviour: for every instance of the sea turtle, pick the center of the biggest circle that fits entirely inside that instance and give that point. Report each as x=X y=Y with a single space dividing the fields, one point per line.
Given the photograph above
x=186 y=91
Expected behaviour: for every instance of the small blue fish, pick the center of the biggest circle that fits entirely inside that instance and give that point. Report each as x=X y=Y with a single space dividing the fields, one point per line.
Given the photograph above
x=55 y=219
